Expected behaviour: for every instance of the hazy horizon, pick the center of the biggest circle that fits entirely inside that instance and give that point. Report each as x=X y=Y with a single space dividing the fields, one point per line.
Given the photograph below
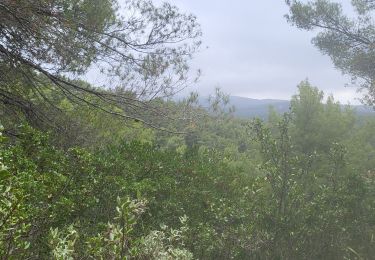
x=249 y=50
x=253 y=52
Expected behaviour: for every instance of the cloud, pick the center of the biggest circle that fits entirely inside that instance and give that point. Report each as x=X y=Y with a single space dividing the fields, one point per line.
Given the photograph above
x=253 y=52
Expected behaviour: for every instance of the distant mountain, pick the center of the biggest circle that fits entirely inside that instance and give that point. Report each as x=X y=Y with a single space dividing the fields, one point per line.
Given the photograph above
x=249 y=107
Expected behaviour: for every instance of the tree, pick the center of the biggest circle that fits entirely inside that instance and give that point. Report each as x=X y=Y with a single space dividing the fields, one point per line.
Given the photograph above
x=307 y=108
x=311 y=209
x=316 y=124
x=45 y=46
x=348 y=41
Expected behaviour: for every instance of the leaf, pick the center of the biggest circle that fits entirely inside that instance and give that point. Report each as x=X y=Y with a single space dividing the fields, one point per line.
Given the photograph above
x=4 y=174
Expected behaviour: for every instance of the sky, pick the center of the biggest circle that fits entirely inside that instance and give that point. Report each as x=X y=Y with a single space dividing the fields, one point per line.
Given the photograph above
x=250 y=50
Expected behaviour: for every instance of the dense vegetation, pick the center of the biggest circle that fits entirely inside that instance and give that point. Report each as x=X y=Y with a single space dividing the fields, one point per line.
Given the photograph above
x=300 y=185
x=92 y=180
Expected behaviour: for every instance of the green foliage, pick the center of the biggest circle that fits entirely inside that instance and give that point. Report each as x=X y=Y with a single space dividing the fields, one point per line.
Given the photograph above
x=47 y=46
x=63 y=244
x=345 y=38
x=84 y=185
x=311 y=206
x=317 y=125
x=295 y=187
x=117 y=241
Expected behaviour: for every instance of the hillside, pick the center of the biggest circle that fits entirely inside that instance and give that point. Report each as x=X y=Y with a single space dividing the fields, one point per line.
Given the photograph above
x=250 y=107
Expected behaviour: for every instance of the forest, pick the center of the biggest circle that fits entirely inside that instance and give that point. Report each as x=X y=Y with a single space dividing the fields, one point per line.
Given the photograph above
x=125 y=170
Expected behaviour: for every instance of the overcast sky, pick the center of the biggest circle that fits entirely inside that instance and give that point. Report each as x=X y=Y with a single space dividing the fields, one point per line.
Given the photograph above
x=253 y=52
